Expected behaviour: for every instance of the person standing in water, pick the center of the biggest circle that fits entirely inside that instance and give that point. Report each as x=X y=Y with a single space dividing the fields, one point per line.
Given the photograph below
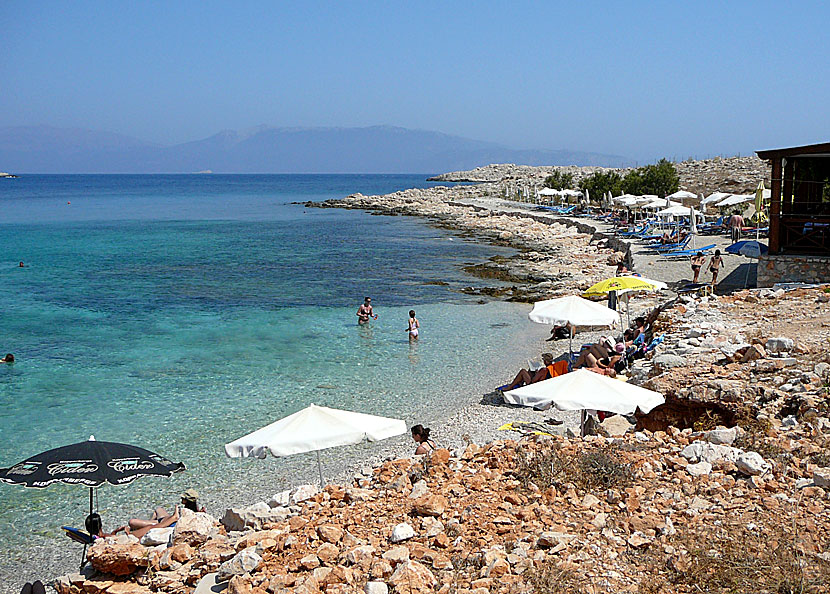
x=364 y=312
x=413 y=327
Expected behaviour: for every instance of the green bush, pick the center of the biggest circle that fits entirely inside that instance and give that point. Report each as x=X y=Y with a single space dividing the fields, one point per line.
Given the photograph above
x=559 y=180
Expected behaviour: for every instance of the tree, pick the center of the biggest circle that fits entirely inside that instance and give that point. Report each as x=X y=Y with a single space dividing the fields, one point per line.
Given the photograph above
x=601 y=182
x=660 y=179
x=559 y=180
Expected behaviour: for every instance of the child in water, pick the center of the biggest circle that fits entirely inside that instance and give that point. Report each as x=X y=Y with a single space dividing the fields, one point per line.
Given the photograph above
x=414 y=324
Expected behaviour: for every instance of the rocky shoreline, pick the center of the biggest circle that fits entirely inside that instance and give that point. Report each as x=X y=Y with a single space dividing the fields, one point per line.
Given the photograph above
x=555 y=256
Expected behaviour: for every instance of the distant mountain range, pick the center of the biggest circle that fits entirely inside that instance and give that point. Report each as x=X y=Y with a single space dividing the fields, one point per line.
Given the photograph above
x=374 y=149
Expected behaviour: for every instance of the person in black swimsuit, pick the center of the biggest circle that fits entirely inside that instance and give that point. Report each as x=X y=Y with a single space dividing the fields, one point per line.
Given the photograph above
x=420 y=435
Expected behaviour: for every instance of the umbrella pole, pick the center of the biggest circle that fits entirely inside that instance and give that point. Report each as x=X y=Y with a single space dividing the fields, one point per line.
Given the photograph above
x=90 y=501
x=319 y=469
x=582 y=423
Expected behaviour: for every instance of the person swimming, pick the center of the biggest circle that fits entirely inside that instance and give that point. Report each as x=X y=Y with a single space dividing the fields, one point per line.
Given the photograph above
x=364 y=312
x=9 y=358
x=414 y=325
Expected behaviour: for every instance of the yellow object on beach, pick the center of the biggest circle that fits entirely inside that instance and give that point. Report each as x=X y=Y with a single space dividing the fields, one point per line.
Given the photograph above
x=620 y=284
x=517 y=426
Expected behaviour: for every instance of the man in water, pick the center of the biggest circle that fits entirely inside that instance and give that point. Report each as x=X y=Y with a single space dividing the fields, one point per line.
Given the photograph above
x=364 y=312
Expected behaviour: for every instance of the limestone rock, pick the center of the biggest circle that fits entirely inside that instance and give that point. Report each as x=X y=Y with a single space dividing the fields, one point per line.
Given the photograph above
x=419 y=489
x=700 y=469
x=117 y=559
x=821 y=478
x=413 y=577
x=780 y=344
x=751 y=463
x=245 y=561
x=708 y=452
x=376 y=588
x=402 y=532
x=430 y=505
x=157 y=536
x=236 y=519
x=722 y=436
x=330 y=533
x=304 y=493
x=194 y=528
x=615 y=425
x=668 y=361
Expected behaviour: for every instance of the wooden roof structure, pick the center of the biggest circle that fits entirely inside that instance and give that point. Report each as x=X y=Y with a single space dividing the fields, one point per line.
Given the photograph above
x=800 y=199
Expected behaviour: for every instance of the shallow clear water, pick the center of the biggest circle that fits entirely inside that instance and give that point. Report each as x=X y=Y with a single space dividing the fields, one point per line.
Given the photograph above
x=180 y=312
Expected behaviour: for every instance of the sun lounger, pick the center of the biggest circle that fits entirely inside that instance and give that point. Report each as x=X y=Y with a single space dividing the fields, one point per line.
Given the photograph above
x=689 y=252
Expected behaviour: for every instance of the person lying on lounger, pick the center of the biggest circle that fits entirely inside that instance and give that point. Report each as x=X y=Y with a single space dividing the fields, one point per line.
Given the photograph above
x=95 y=526
x=549 y=370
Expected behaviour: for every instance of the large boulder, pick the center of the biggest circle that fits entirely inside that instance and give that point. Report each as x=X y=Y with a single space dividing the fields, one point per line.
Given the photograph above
x=194 y=528
x=255 y=516
x=118 y=559
x=821 y=478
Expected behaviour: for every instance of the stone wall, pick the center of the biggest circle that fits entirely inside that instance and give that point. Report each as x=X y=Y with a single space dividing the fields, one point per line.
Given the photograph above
x=793 y=269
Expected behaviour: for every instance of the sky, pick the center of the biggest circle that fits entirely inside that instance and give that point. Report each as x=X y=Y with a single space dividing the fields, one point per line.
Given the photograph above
x=639 y=79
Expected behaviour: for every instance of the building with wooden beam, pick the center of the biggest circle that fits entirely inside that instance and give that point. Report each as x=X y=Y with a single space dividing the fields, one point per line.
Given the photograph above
x=799 y=226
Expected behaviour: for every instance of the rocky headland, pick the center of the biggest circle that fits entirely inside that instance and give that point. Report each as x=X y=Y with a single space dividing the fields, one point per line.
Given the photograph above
x=727 y=174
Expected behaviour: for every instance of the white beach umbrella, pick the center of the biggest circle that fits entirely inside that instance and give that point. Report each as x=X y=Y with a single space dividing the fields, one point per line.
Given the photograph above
x=583 y=389
x=692 y=224
x=572 y=310
x=313 y=429
x=680 y=195
x=678 y=211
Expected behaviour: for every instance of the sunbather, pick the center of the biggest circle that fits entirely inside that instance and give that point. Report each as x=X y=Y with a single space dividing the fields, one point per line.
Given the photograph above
x=549 y=370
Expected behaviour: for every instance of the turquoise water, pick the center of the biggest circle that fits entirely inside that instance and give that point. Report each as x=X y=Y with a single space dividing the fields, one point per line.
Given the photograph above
x=180 y=312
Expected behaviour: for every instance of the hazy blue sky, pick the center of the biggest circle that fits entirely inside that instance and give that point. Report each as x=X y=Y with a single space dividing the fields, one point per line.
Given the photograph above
x=641 y=79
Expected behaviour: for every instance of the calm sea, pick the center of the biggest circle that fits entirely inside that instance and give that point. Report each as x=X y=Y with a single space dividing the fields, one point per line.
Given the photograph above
x=180 y=312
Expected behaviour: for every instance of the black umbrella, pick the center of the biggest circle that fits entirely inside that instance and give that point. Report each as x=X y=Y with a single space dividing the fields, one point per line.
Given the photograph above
x=90 y=463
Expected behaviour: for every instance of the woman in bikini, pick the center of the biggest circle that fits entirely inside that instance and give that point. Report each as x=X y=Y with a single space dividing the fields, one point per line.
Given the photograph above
x=420 y=435
x=714 y=266
x=413 y=326
x=697 y=263
x=364 y=312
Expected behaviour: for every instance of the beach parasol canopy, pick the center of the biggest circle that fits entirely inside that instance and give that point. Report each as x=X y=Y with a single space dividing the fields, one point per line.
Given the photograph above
x=749 y=248
x=89 y=463
x=583 y=389
x=572 y=310
x=622 y=285
x=313 y=429
x=679 y=211
x=680 y=195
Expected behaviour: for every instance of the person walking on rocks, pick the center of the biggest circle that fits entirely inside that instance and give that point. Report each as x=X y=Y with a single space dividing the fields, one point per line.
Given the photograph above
x=714 y=266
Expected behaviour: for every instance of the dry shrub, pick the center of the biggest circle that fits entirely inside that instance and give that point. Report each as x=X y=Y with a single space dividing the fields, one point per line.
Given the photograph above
x=556 y=579
x=733 y=559
x=588 y=470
